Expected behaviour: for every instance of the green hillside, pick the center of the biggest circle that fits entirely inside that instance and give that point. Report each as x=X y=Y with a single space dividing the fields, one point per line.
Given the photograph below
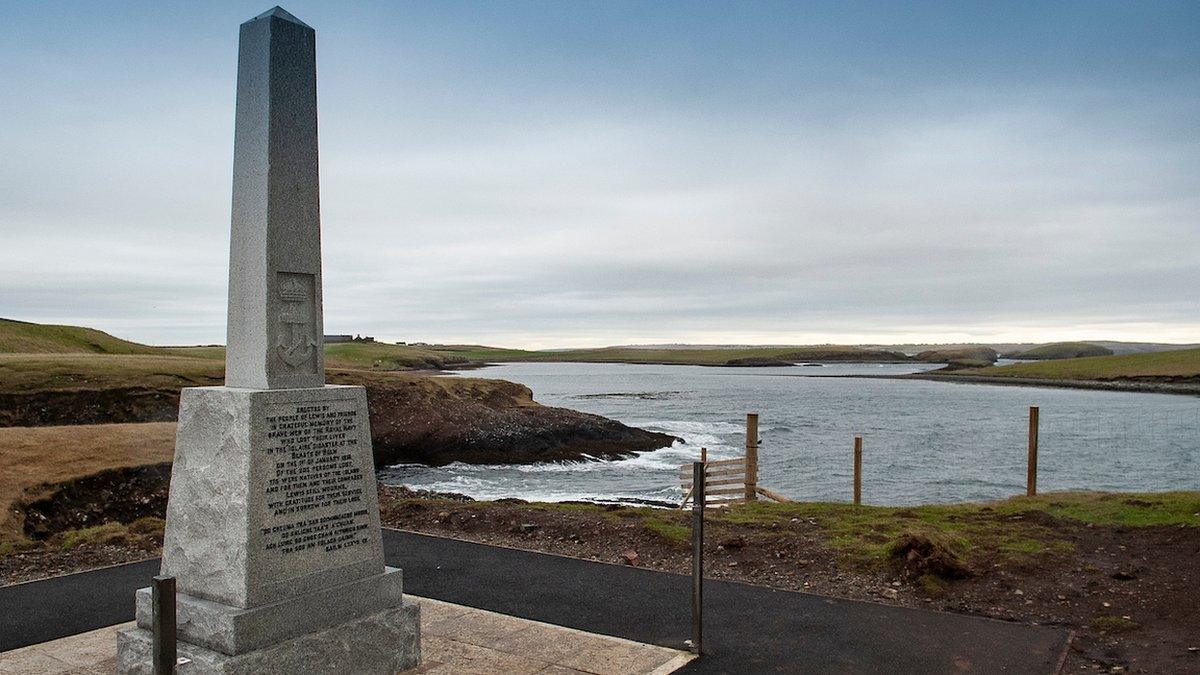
x=1178 y=364
x=1062 y=350
x=19 y=337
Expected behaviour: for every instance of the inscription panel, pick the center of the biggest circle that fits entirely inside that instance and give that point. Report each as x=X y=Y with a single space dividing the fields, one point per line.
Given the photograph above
x=317 y=504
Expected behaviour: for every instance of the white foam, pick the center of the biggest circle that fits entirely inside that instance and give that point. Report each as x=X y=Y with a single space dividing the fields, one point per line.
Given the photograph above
x=682 y=427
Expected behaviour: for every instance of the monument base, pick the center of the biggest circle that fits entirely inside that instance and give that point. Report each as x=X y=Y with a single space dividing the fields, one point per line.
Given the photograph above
x=384 y=642
x=236 y=630
x=273 y=537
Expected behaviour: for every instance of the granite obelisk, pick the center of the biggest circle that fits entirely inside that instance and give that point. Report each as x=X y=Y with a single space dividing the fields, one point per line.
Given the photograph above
x=274 y=334
x=273 y=519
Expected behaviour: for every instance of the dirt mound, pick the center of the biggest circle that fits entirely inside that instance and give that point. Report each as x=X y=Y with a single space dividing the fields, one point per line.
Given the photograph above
x=921 y=553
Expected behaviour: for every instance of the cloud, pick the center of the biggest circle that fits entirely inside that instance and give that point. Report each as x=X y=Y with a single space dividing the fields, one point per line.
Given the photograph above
x=542 y=201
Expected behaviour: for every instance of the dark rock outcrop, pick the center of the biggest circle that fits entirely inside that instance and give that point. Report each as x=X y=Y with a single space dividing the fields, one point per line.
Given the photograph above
x=413 y=419
x=437 y=421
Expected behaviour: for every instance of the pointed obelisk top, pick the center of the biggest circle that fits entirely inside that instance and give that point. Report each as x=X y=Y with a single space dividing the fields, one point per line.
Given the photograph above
x=274 y=337
x=278 y=12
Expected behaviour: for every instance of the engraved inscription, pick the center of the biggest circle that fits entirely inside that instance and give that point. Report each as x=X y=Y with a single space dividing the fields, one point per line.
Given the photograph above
x=295 y=342
x=315 y=479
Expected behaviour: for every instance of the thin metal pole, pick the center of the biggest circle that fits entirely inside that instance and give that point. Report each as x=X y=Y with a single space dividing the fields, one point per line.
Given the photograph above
x=858 y=469
x=162 y=601
x=1031 y=469
x=697 y=556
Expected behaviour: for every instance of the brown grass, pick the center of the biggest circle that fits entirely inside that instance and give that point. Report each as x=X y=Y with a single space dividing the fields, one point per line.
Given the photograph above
x=33 y=456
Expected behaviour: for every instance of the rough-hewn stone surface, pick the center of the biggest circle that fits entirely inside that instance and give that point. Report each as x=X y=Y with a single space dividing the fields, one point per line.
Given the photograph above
x=223 y=541
x=384 y=642
x=205 y=542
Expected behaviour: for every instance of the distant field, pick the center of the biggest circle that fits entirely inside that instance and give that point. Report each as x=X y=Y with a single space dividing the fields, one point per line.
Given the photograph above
x=386 y=356
x=700 y=357
x=55 y=372
x=55 y=355
x=353 y=355
x=1182 y=363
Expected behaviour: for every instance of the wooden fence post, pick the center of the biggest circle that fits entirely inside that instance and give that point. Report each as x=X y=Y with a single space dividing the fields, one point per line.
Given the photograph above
x=751 y=457
x=704 y=455
x=1031 y=469
x=858 y=469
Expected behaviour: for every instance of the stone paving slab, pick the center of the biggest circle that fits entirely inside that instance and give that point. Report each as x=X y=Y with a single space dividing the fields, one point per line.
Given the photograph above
x=455 y=639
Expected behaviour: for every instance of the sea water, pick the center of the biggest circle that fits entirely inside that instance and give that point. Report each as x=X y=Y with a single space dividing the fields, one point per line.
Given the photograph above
x=924 y=441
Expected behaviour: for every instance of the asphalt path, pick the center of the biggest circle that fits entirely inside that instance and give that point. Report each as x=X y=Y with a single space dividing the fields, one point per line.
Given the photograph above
x=747 y=628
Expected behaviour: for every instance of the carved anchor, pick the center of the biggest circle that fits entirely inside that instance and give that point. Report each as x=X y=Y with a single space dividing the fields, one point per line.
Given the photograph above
x=301 y=347
x=295 y=346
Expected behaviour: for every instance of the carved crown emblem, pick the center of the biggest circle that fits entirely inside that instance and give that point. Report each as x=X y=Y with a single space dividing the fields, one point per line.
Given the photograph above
x=293 y=290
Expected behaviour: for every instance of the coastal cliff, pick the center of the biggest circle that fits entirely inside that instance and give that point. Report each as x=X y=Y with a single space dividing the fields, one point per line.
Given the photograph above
x=414 y=418
x=439 y=420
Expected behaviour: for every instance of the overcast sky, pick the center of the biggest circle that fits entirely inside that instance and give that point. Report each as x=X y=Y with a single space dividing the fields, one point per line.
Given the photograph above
x=567 y=173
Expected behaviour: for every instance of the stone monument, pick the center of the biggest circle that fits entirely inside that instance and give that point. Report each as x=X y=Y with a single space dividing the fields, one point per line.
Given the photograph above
x=273 y=518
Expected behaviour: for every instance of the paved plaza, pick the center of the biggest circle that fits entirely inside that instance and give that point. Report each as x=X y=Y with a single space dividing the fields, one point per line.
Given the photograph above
x=455 y=639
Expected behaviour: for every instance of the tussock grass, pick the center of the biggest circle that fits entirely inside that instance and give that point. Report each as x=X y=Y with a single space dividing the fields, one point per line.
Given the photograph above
x=673 y=532
x=144 y=532
x=1114 y=624
x=1109 y=508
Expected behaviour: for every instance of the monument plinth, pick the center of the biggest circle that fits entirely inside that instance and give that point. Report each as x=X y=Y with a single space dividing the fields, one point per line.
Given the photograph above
x=273 y=518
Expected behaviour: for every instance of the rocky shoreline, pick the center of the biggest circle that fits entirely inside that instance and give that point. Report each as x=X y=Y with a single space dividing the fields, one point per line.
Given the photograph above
x=437 y=421
x=1179 y=386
